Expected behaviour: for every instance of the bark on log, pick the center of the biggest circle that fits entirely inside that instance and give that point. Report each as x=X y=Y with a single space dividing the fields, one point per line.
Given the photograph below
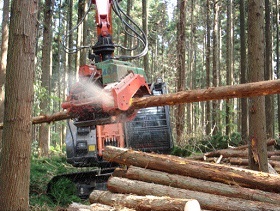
x=143 y=203
x=48 y=118
x=206 y=200
x=192 y=168
x=212 y=93
x=189 y=183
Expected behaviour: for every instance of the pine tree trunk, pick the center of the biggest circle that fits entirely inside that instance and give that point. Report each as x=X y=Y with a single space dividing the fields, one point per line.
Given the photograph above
x=229 y=61
x=145 y=29
x=257 y=124
x=84 y=52
x=215 y=108
x=181 y=46
x=207 y=65
x=268 y=75
x=277 y=49
x=243 y=77
x=190 y=107
x=4 y=51
x=79 y=38
x=70 y=44
x=44 y=131
x=16 y=151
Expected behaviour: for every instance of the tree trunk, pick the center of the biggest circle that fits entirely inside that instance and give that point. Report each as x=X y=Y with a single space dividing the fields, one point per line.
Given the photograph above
x=85 y=41
x=200 y=170
x=44 y=132
x=229 y=62
x=79 y=38
x=145 y=30
x=207 y=65
x=4 y=51
x=70 y=43
x=141 y=203
x=207 y=201
x=191 y=52
x=243 y=69
x=257 y=124
x=215 y=108
x=268 y=74
x=16 y=151
x=181 y=46
x=277 y=49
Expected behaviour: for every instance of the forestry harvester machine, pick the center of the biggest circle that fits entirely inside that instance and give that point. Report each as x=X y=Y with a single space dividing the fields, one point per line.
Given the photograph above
x=100 y=103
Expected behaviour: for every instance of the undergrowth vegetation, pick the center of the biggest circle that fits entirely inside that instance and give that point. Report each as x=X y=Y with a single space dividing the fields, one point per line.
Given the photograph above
x=42 y=171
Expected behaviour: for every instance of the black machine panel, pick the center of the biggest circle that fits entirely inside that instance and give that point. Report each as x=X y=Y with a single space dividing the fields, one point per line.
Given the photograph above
x=150 y=131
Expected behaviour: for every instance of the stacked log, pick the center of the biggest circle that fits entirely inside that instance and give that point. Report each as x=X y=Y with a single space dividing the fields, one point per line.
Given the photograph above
x=238 y=156
x=148 y=202
x=96 y=207
x=214 y=186
x=241 y=152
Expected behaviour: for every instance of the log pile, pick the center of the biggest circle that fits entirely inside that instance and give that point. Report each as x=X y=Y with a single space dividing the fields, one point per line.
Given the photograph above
x=238 y=157
x=170 y=178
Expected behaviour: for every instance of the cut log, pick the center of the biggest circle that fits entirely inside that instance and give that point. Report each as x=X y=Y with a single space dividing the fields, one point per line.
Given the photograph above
x=189 y=183
x=206 y=200
x=245 y=162
x=275 y=165
x=192 y=168
x=226 y=153
x=95 y=207
x=212 y=93
x=143 y=203
x=275 y=157
x=269 y=142
x=217 y=153
x=48 y=118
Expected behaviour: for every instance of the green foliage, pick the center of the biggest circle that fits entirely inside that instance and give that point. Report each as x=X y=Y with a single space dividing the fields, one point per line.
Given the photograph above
x=42 y=171
x=182 y=152
x=64 y=192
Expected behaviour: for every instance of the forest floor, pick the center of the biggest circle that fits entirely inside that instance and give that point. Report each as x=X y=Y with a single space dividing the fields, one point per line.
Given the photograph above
x=42 y=171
